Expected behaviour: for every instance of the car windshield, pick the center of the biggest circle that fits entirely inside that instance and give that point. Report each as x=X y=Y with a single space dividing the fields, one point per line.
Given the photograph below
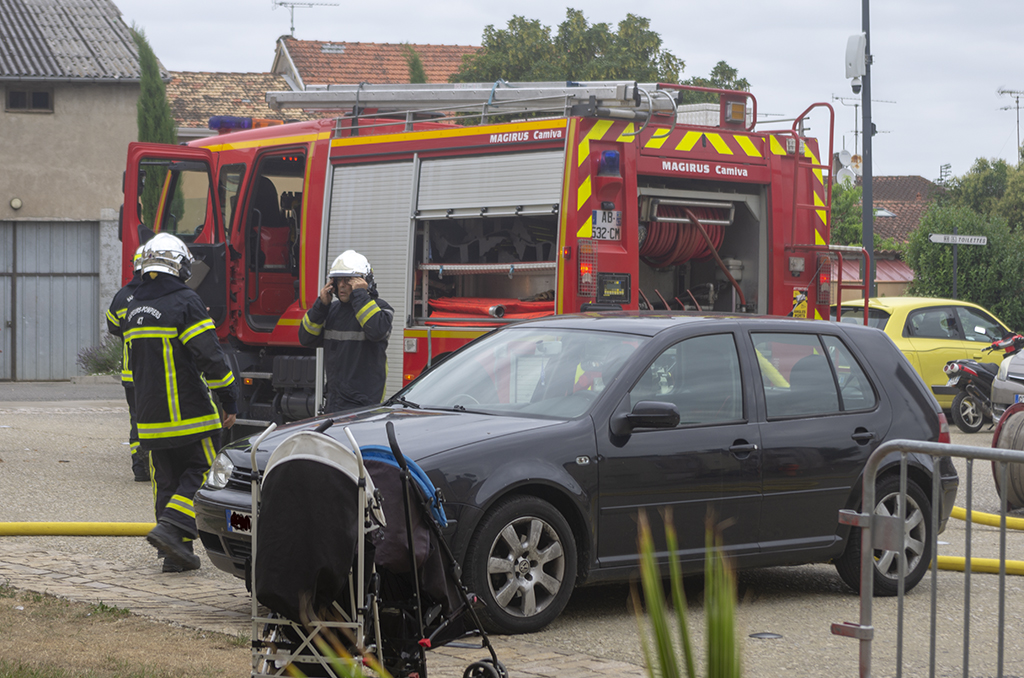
x=526 y=370
x=855 y=314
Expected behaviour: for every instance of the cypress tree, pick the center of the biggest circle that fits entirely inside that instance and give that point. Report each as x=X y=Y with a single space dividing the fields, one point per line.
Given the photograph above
x=154 y=119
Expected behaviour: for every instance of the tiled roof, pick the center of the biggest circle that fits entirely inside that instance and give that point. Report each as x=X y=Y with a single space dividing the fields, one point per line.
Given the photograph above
x=195 y=97
x=69 y=40
x=905 y=188
x=320 y=63
x=906 y=197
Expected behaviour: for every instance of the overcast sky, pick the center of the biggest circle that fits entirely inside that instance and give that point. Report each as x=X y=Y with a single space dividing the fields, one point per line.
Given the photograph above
x=936 y=71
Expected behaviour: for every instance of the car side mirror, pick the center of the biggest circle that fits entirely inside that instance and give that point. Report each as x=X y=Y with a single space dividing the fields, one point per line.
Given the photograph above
x=646 y=414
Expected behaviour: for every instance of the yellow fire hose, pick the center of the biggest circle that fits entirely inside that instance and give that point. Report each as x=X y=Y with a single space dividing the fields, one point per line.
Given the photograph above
x=984 y=565
x=77 y=529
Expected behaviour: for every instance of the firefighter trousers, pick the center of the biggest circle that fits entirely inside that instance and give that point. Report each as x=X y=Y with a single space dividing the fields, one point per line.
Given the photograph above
x=178 y=472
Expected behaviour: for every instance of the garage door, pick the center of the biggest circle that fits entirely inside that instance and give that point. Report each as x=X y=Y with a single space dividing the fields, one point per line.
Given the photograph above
x=49 y=291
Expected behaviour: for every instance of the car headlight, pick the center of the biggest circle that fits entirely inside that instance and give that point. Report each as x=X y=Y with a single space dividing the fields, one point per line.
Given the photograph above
x=1004 y=368
x=220 y=472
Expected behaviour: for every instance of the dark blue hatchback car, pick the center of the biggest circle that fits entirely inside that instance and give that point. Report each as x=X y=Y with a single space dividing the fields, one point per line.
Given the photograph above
x=548 y=437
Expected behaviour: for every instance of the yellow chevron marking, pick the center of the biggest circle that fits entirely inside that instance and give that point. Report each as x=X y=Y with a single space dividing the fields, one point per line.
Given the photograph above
x=747 y=145
x=657 y=139
x=817 y=315
x=777 y=148
x=821 y=213
x=598 y=131
x=719 y=143
x=818 y=240
x=688 y=141
x=587 y=229
x=817 y=170
x=583 y=194
x=627 y=134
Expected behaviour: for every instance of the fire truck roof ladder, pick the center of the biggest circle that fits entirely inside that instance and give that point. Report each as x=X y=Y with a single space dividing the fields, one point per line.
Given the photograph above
x=619 y=99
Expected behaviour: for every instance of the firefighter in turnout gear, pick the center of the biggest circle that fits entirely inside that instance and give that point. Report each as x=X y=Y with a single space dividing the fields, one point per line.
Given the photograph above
x=176 y=359
x=353 y=331
x=115 y=317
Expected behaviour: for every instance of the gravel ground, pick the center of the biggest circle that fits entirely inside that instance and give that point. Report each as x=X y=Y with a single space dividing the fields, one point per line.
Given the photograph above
x=67 y=461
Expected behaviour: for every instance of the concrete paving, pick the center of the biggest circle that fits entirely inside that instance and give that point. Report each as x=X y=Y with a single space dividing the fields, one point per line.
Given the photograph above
x=194 y=599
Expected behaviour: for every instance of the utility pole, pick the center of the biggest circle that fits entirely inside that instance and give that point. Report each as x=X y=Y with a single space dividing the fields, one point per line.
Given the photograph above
x=1016 y=98
x=867 y=211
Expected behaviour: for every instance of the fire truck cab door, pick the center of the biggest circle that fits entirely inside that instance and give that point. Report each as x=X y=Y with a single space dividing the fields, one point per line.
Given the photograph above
x=173 y=191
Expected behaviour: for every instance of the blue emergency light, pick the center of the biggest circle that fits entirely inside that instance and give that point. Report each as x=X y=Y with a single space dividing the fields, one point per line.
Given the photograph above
x=608 y=165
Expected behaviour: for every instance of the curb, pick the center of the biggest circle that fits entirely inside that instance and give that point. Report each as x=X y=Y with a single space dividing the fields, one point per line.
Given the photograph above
x=95 y=379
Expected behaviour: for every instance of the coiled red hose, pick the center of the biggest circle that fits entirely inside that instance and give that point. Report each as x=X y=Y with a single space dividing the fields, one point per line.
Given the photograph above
x=673 y=244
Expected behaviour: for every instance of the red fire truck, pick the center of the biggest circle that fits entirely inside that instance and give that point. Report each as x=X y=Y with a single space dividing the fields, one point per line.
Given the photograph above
x=478 y=205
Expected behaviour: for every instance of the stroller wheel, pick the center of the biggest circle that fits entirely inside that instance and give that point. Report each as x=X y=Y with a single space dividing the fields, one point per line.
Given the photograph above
x=483 y=669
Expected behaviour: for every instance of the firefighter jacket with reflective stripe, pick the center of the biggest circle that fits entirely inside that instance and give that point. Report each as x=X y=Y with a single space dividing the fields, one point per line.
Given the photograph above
x=355 y=340
x=174 y=346
x=115 y=318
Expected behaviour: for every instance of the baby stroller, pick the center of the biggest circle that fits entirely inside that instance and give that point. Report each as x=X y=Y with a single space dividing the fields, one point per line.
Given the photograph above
x=315 y=516
x=394 y=592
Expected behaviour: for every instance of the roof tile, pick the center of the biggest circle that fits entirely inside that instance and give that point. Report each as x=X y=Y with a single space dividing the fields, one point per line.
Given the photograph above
x=66 y=40
x=379 y=63
x=195 y=97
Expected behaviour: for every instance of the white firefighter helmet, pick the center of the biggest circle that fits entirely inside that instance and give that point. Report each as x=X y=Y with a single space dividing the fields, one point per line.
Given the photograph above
x=167 y=254
x=137 y=259
x=350 y=264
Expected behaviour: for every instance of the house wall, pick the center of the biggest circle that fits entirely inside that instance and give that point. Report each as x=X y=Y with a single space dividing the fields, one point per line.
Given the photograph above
x=67 y=164
x=66 y=168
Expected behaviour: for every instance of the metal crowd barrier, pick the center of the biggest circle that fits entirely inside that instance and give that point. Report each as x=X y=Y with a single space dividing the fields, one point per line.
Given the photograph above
x=887 y=532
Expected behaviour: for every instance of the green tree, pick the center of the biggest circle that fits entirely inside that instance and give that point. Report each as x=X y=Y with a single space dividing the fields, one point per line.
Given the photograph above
x=412 y=59
x=991 y=275
x=992 y=187
x=847 y=223
x=527 y=51
x=155 y=122
x=723 y=76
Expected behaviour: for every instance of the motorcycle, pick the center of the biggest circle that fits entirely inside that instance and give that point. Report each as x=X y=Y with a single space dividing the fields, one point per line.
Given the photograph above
x=972 y=406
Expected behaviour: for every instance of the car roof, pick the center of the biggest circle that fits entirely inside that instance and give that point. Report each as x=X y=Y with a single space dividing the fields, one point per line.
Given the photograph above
x=894 y=303
x=650 y=323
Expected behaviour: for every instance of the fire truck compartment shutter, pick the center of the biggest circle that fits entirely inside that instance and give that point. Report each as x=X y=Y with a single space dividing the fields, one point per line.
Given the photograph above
x=504 y=184
x=366 y=204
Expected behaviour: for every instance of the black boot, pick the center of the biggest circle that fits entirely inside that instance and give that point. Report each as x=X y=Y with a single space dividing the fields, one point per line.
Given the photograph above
x=171 y=566
x=140 y=466
x=176 y=545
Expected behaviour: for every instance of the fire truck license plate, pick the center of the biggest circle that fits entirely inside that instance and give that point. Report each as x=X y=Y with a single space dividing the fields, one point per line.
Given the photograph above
x=607 y=225
x=239 y=522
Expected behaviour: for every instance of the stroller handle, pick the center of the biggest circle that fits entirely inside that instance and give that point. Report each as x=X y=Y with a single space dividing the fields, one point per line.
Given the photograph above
x=393 y=441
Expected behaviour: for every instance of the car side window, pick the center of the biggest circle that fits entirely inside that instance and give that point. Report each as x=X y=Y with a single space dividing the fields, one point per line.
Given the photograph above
x=796 y=375
x=700 y=376
x=932 y=323
x=855 y=391
x=979 y=326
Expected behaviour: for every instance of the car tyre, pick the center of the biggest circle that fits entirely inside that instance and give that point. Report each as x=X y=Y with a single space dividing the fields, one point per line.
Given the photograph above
x=917 y=547
x=1011 y=437
x=967 y=413
x=521 y=563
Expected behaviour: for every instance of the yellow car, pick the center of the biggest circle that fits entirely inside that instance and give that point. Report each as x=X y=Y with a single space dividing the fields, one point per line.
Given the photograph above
x=931 y=332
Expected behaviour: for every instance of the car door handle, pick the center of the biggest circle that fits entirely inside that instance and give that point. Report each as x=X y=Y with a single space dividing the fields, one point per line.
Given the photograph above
x=863 y=436
x=743 y=450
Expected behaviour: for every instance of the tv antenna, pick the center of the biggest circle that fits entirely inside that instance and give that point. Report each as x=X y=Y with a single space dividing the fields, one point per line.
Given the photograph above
x=1016 y=94
x=856 y=105
x=274 y=4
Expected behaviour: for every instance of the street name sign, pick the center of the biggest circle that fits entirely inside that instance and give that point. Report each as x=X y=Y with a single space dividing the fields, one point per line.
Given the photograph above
x=949 y=239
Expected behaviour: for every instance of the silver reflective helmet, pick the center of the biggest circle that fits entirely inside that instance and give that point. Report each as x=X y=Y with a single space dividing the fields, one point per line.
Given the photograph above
x=137 y=259
x=167 y=254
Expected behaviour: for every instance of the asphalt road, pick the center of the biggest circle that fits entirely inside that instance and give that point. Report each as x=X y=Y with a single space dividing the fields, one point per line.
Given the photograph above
x=63 y=458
